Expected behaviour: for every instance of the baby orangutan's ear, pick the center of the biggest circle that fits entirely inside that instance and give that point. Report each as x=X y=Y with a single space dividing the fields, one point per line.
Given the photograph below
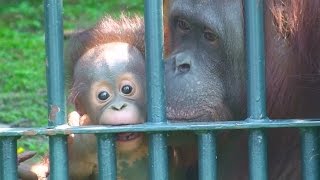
x=78 y=107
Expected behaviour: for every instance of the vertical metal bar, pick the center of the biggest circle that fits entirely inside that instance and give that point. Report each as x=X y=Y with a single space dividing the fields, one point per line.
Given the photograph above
x=107 y=157
x=58 y=158
x=207 y=156
x=310 y=153
x=55 y=64
x=256 y=58
x=158 y=160
x=257 y=155
x=254 y=18
x=154 y=62
x=55 y=84
x=8 y=158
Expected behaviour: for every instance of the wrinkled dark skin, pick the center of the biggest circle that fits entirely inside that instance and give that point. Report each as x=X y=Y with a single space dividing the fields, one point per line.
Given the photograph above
x=206 y=77
x=200 y=72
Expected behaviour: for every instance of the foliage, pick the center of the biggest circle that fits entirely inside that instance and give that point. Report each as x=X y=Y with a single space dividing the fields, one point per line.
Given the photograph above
x=23 y=97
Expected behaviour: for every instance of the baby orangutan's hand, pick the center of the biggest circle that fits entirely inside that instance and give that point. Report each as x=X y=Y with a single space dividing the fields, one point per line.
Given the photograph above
x=74 y=119
x=29 y=171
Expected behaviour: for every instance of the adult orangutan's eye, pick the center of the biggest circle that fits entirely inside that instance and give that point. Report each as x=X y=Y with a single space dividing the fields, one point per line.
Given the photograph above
x=210 y=36
x=103 y=95
x=183 y=25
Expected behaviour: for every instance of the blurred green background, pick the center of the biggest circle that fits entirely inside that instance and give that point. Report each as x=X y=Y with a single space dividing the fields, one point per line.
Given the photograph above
x=23 y=94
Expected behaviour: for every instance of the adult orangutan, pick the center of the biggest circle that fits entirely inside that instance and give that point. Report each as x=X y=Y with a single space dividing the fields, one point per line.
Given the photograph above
x=206 y=75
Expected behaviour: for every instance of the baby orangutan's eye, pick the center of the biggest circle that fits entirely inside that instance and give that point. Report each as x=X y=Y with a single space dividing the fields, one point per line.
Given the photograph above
x=126 y=89
x=103 y=95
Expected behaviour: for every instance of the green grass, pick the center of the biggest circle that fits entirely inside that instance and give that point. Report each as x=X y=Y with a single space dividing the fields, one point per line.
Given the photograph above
x=23 y=95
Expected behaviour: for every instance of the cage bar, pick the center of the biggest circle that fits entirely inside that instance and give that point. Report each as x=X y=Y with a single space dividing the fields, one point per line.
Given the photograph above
x=169 y=127
x=257 y=154
x=158 y=159
x=207 y=156
x=58 y=157
x=310 y=153
x=254 y=18
x=107 y=157
x=55 y=84
x=8 y=158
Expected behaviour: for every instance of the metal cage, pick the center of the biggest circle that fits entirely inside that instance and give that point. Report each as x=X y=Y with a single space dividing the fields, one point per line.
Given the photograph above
x=157 y=125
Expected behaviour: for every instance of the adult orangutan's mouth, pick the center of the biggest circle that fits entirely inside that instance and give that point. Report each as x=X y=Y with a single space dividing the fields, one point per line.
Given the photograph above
x=178 y=115
x=192 y=117
x=123 y=137
x=213 y=113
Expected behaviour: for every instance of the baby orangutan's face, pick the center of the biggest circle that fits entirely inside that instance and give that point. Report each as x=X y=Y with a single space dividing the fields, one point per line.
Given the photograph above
x=110 y=83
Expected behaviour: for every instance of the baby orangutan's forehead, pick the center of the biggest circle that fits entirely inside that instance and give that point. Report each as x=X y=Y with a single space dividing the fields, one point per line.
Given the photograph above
x=110 y=59
x=112 y=54
x=116 y=52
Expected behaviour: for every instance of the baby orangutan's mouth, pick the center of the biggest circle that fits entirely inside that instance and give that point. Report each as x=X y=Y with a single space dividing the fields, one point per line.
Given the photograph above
x=127 y=136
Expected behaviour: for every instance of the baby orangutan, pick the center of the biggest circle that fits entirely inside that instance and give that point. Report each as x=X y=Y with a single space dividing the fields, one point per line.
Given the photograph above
x=108 y=88
x=109 y=84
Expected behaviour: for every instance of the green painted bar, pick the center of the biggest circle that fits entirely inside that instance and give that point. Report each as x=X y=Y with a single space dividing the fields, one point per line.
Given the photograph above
x=257 y=155
x=254 y=20
x=107 y=157
x=255 y=58
x=58 y=158
x=55 y=64
x=310 y=153
x=158 y=160
x=55 y=84
x=207 y=156
x=8 y=158
x=154 y=61
x=168 y=127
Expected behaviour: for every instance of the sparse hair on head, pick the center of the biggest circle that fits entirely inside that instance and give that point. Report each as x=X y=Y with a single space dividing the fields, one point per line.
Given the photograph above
x=127 y=29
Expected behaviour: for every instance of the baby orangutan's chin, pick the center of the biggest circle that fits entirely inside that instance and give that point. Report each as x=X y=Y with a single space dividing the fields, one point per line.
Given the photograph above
x=128 y=142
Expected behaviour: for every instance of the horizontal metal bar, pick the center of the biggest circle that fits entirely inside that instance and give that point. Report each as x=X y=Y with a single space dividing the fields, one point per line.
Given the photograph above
x=207 y=156
x=107 y=157
x=155 y=127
